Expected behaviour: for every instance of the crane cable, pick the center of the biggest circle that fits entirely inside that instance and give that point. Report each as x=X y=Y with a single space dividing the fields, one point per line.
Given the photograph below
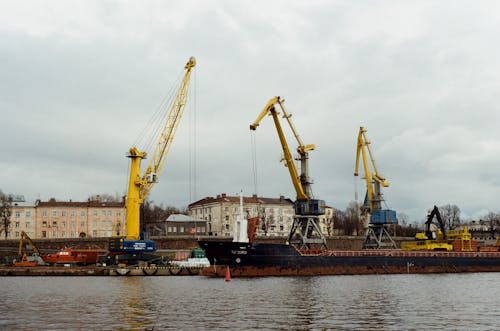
x=192 y=142
x=151 y=131
x=254 y=162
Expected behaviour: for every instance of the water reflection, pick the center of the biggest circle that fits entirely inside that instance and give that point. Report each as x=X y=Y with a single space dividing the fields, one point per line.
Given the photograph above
x=391 y=302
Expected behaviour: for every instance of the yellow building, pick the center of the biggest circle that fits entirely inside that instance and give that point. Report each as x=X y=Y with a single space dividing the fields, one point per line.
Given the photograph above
x=23 y=218
x=69 y=219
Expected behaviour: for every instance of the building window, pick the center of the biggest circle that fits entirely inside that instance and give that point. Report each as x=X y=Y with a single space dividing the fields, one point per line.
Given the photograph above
x=181 y=229
x=63 y=234
x=44 y=224
x=44 y=213
x=27 y=225
x=63 y=224
x=109 y=213
x=44 y=234
x=54 y=223
x=72 y=224
x=17 y=234
x=54 y=234
x=72 y=234
x=281 y=228
x=227 y=227
x=82 y=224
x=104 y=213
x=95 y=224
x=82 y=213
x=118 y=213
x=63 y=213
x=54 y=213
x=17 y=224
x=95 y=212
x=72 y=213
x=18 y=214
x=94 y=233
x=227 y=217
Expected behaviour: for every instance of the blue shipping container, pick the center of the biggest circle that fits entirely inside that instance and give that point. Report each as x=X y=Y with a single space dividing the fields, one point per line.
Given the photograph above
x=385 y=216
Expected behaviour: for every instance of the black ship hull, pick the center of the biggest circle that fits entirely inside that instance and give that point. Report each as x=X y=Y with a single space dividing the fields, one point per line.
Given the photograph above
x=254 y=259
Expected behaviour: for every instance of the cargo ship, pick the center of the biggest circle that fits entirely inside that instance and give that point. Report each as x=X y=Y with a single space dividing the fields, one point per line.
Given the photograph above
x=246 y=259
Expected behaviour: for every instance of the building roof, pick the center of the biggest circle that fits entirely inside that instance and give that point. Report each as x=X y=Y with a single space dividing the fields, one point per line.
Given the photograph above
x=76 y=204
x=183 y=218
x=236 y=199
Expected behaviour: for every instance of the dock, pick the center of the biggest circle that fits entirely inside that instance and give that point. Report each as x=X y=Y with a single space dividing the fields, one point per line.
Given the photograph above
x=100 y=271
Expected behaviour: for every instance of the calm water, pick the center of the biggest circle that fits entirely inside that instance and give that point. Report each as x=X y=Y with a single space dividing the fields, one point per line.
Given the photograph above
x=389 y=302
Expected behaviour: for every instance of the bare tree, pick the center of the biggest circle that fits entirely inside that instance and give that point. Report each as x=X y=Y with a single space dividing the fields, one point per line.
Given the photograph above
x=450 y=215
x=152 y=215
x=340 y=218
x=353 y=220
x=105 y=197
x=493 y=219
x=5 y=213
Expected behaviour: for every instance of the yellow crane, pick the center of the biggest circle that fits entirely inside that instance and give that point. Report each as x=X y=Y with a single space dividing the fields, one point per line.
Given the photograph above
x=305 y=229
x=372 y=207
x=140 y=185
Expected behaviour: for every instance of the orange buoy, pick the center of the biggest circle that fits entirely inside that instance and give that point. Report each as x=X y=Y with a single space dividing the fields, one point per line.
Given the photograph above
x=228 y=274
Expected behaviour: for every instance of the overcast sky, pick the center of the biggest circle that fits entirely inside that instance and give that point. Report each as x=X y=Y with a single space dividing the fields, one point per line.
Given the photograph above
x=81 y=79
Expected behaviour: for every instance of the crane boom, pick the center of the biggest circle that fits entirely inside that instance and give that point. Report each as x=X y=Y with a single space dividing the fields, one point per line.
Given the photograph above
x=302 y=183
x=24 y=236
x=287 y=155
x=140 y=186
x=373 y=179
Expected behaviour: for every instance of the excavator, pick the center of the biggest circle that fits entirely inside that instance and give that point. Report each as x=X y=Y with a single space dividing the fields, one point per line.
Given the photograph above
x=24 y=260
x=430 y=240
x=305 y=230
x=377 y=235
x=133 y=248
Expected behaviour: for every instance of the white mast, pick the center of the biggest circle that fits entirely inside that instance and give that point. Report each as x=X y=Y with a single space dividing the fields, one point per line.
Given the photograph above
x=240 y=233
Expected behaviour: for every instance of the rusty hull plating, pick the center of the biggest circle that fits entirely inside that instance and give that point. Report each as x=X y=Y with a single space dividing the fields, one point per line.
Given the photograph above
x=255 y=260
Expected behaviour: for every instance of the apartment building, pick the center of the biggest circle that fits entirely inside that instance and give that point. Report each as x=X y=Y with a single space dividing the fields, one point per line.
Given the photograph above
x=71 y=219
x=221 y=211
x=23 y=218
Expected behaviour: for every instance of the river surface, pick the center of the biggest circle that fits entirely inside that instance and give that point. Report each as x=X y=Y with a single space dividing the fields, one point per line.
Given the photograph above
x=371 y=302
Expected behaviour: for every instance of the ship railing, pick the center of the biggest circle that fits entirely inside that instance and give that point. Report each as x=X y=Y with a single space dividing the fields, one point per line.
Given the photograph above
x=397 y=253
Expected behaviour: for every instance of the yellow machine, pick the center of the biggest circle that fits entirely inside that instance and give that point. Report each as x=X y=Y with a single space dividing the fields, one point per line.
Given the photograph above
x=23 y=260
x=139 y=185
x=305 y=229
x=377 y=235
x=441 y=240
x=25 y=237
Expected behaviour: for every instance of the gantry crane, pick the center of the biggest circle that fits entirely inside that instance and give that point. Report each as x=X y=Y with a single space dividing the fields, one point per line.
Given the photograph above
x=305 y=229
x=377 y=235
x=133 y=247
